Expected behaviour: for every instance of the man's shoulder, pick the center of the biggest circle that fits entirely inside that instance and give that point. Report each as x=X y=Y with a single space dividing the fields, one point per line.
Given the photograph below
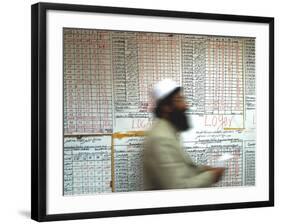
x=161 y=129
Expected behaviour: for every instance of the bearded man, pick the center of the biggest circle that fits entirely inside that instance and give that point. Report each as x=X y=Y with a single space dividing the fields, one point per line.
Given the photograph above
x=166 y=166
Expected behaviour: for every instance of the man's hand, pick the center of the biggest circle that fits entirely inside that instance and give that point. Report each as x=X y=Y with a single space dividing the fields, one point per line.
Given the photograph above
x=218 y=172
x=206 y=168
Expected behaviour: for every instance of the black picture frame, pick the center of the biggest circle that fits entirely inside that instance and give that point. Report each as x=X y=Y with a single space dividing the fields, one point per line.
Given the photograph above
x=39 y=112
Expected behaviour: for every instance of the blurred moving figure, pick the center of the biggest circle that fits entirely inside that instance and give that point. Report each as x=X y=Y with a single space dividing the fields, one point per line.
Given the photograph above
x=166 y=166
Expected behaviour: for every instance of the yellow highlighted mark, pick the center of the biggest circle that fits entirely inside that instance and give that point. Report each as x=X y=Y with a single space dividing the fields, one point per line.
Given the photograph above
x=128 y=134
x=233 y=129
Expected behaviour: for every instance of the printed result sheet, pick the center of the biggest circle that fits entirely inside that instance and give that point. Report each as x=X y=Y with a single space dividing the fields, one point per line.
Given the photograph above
x=108 y=76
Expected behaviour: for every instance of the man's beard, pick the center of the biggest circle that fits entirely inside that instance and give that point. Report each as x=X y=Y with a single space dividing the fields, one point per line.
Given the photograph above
x=180 y=120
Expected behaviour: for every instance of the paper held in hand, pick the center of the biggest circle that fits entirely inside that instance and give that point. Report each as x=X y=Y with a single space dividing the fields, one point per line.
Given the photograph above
x=222 y=160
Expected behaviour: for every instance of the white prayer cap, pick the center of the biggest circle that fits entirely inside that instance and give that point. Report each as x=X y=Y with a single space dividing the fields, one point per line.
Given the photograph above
x=164 y=88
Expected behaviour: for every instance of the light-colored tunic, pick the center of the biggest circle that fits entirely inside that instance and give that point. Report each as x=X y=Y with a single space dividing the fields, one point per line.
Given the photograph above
x=166 y=166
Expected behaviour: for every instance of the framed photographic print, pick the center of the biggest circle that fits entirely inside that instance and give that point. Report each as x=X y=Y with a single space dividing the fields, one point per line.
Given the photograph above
x=93 y=71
